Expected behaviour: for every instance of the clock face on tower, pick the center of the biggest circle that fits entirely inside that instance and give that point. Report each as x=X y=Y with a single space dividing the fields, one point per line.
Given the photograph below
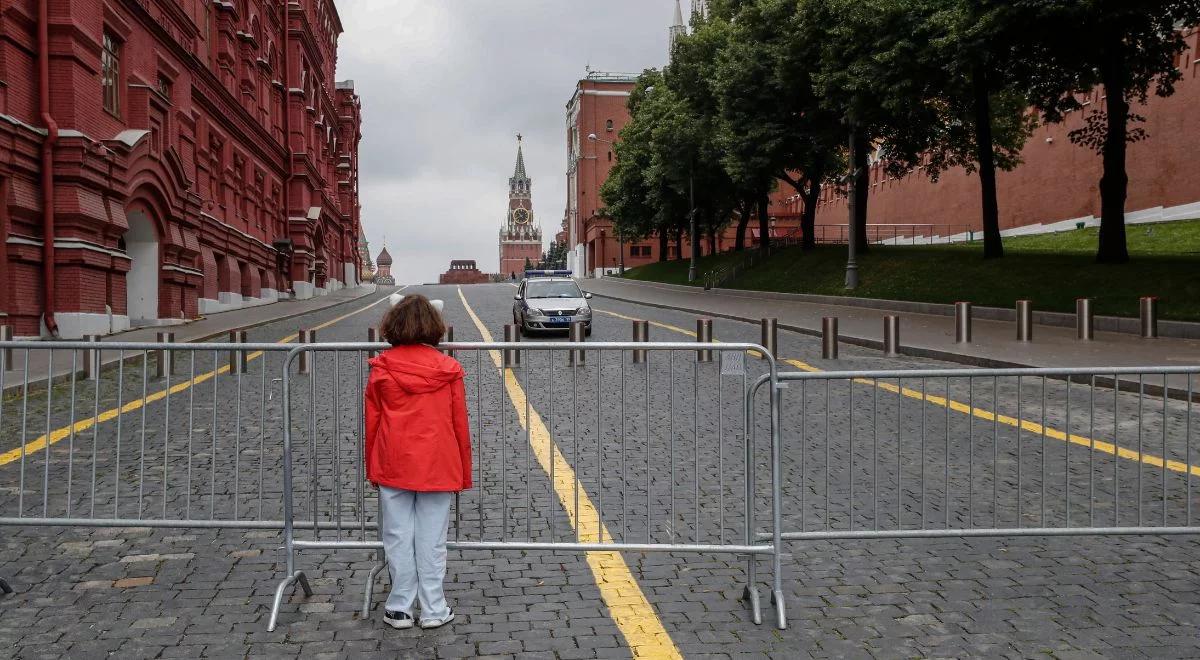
x=521 y=216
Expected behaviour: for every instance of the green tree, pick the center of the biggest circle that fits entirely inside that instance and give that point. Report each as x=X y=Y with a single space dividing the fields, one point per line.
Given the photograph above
x=1129 y=48
x=775 y=126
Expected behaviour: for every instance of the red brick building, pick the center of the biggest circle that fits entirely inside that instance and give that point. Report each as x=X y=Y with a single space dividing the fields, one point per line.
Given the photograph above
x=163 y=159
x=463 y=271
x=520 y=236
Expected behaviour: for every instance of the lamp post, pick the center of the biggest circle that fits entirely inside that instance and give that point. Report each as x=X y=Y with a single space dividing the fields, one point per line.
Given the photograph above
x=852 y=238
x=592 y=137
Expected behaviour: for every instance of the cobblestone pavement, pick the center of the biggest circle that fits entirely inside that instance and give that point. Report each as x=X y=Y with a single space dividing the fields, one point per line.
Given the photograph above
x=658 y=462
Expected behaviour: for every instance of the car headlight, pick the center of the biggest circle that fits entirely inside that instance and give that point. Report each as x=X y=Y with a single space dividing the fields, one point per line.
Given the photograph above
x=584 y=311
x=536 y=312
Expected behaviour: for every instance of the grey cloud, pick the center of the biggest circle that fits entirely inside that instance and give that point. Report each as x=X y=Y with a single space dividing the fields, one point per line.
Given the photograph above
x=446 y=85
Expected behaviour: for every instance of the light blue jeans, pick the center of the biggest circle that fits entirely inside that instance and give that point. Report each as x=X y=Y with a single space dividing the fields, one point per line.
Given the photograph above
x=413 y=531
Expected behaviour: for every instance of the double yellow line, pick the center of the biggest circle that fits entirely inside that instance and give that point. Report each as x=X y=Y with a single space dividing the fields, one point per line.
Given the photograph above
x=57 y=435
x=631 y=611
x=1034 y=428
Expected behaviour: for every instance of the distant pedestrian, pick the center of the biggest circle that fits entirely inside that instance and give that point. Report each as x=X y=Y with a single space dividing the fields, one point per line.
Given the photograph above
x=418 y=453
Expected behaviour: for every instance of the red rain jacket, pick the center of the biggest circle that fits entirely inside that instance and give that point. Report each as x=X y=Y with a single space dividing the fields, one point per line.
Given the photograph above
x=418 y=437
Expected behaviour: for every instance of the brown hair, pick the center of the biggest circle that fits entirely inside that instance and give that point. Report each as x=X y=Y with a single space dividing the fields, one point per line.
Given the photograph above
x=413 y=320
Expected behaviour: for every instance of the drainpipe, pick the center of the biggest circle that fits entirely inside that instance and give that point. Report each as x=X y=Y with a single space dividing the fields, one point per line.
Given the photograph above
x=287 y=137
x=48 y=196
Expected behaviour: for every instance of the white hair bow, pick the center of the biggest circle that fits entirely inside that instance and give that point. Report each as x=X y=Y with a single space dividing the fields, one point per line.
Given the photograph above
x=395 y=299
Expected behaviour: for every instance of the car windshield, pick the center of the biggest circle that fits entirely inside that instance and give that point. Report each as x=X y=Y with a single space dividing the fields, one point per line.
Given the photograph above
x=551 y=289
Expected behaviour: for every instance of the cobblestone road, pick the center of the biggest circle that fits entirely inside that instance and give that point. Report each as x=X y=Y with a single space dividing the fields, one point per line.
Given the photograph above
x=657 y=463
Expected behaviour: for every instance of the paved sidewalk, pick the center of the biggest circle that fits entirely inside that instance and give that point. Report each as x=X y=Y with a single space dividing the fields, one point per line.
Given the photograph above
x=203 y=329
x=994 y=342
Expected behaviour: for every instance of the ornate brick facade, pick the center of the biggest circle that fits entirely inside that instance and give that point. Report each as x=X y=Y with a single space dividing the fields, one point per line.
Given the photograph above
x=200 y=156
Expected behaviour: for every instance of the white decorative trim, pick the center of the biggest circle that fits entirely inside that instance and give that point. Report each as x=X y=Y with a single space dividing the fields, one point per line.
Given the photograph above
x=603 y=92
x=237 y=231
x=17 y=122
x=75 y=325
x=183 y=269
x=314 y=213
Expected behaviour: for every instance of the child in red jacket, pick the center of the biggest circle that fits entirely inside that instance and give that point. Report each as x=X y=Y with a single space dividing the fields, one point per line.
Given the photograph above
x=418 y=453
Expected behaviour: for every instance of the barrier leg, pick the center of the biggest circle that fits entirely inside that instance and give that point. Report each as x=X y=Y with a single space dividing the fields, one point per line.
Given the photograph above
x=297 y=577
x=375 y=570
x=374 y=573
x=750 y=594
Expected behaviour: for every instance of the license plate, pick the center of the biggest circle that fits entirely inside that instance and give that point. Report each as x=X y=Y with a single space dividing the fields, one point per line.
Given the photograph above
x=560 y=319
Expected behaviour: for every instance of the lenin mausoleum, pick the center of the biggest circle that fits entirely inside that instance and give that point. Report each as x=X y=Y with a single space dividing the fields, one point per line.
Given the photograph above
x=165 y=159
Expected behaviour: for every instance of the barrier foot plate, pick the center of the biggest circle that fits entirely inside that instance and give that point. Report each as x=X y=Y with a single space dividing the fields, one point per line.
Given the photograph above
x=780 y=609
x=375 y=570
x=4 y=588
x=751 y=596
x=297 y=577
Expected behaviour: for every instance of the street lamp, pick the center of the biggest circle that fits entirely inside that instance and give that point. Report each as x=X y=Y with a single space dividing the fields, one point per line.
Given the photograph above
x=852 y=207
x=592 y=137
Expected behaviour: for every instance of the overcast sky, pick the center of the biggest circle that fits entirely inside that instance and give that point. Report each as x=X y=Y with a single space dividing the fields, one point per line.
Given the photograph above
x=447 y=84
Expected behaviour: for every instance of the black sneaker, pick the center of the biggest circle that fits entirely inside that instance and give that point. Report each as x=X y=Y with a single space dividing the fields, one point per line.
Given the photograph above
x=427 y=624
x=397 y=620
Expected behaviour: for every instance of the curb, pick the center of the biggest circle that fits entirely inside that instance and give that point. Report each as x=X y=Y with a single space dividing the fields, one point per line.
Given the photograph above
x=196 y=340
x=928 y=353
x=1118 y=324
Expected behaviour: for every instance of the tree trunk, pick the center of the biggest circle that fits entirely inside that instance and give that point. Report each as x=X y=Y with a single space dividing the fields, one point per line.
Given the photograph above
x=739 y=242
x=808 y=218
x=862 y=189
x=993 y=245
x=764 y=223
x=712 y=233
x=1114 y=184
x=662 y=245
x=679 y=242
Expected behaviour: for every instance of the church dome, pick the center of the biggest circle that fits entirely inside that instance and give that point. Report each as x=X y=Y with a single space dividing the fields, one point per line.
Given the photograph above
x=384 y=259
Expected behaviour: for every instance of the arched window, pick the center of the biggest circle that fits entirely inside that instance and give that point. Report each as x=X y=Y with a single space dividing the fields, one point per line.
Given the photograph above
x=608 y=125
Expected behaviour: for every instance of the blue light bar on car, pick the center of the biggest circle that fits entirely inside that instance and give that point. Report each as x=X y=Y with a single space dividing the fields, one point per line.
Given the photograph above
x=547 y=273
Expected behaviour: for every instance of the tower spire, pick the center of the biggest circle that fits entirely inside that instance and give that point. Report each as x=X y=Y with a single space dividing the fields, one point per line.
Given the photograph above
x=519 y=172
x=678 y=29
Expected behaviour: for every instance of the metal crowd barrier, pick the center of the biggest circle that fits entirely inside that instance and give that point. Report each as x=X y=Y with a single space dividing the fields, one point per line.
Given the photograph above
x=988 y=452
x=192 y=448
x=639 y=447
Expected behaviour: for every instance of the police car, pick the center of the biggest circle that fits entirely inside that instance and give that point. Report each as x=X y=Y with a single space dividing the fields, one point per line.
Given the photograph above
x=550 y=300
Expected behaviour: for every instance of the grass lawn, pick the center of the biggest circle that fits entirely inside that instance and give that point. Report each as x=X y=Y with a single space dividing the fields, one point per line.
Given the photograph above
x=1051 y=269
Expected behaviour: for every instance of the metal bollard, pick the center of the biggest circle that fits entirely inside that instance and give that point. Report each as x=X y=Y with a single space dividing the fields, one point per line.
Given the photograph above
x=164 y=360
x=1149 y=314
x=579 y=335
x=962 y=322
x=372 y=338
x=512 y=357
x=891 y=336
x=450 y=338
x=306 y=337
x=6 y=334
x=1024 y=320
x=704 y=335
x=829 y=338
x=91 y=359
x=770 y=337
x=237 y=358
x=1084 y=319
x=641 y=333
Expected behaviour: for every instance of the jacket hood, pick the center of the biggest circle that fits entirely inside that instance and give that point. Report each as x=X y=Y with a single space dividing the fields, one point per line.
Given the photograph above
x=418 y=369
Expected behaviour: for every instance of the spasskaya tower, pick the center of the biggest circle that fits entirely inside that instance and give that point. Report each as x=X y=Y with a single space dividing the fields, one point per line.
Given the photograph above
x=520 y=237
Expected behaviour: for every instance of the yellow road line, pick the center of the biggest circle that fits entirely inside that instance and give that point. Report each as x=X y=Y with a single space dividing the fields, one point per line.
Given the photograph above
x=57 y=435
x=631 y=611
x=982 y=413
